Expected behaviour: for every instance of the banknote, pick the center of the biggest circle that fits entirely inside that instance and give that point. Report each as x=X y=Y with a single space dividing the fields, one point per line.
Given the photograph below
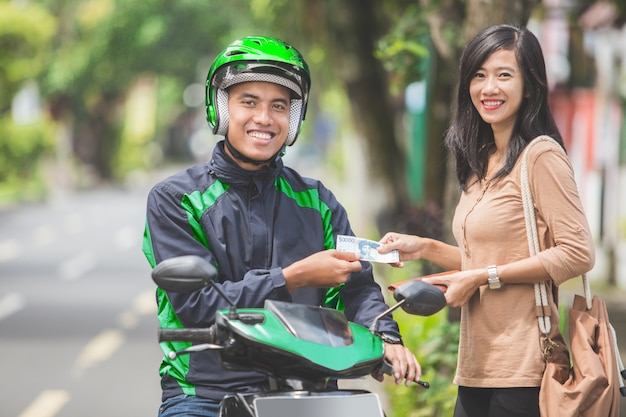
x=366 y=248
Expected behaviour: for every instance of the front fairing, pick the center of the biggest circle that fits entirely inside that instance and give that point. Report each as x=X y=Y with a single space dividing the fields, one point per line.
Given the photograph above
x=298 y=341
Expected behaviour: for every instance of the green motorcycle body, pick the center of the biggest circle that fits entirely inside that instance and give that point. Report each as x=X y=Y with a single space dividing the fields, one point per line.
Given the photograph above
x=289 y=340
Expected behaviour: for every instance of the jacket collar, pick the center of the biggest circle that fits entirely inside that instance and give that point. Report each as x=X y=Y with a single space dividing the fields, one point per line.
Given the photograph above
x=227 y=170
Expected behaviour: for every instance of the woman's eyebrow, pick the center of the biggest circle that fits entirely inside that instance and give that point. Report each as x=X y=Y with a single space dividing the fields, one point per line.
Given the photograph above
x=500 y=68
x=506 y=68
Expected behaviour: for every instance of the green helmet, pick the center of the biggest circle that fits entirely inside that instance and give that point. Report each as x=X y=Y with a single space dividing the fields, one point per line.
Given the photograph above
x=257 y=58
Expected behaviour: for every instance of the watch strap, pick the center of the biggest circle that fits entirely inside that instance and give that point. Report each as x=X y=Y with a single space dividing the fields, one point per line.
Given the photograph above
x=492 y=277
x=391 y=338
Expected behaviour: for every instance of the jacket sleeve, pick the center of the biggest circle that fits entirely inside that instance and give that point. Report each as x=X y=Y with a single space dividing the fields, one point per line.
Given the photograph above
x=170 y=231
x=567 y=247
x=362 y=297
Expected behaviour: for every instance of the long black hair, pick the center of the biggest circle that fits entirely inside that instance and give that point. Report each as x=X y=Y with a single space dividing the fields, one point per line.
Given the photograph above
x=469 y=138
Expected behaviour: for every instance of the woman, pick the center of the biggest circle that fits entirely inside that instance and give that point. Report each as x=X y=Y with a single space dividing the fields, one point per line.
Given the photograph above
x=502 y=106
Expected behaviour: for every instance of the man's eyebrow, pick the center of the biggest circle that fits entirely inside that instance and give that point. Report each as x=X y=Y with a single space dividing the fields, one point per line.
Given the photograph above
x=247 y=95
x=281 y=100
x=255 y=97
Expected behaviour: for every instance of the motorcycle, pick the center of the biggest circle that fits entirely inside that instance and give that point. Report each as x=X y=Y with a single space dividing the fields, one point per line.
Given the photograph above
x=299 y=347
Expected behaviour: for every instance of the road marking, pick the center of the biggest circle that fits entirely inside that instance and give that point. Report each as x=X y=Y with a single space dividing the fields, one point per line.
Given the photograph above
x=99 y=349
x=144 y=304
x=10 y=303
x=74 y=224
x=77 y=266
x=9 y=249
x=127 y=237
x=47 y=404
x=44 y=235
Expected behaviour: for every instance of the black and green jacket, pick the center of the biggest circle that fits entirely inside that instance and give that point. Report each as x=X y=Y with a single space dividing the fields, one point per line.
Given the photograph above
x=250 y=224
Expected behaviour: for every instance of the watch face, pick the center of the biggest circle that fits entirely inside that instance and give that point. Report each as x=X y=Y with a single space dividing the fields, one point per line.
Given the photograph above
x=494 y=283
x=389 y=338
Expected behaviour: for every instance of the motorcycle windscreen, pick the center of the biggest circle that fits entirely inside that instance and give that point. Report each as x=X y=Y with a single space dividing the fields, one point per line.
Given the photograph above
x=314 y=324
x=362 y=405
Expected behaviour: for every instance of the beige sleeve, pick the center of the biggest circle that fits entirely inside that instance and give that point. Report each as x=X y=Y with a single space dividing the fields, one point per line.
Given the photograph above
x=567 y=245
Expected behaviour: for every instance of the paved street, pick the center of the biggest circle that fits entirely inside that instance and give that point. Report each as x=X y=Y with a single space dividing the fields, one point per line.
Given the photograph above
x=77 y=315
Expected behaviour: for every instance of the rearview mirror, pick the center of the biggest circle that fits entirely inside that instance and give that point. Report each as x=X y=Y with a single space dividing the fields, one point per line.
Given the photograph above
x=420 y=298
x=184 y=274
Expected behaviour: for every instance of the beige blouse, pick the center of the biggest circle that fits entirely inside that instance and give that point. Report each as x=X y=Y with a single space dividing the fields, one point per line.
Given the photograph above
x=500 y=339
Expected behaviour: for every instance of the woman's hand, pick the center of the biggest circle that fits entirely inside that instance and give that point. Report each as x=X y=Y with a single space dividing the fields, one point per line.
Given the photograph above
x=460 y=285
x=409 y=247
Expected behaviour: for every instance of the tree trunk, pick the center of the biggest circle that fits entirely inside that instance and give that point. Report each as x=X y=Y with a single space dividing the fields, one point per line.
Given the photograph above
x=353 y=29
x=479 y=15
x=483 y=13
x=97 y=138
x=350 y=29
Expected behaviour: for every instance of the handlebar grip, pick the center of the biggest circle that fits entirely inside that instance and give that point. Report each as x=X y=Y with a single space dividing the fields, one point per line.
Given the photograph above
x=387 y=368
x=197 y=335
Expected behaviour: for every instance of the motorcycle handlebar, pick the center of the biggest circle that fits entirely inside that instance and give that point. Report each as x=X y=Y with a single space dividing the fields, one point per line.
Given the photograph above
x=387 y=368
x=196 y=335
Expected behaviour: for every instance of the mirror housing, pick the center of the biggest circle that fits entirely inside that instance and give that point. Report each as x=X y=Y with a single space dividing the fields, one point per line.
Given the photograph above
x=420 y=298
x=184 y=274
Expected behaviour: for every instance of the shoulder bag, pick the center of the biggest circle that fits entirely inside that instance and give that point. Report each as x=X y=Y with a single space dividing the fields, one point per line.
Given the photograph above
x=591 y=384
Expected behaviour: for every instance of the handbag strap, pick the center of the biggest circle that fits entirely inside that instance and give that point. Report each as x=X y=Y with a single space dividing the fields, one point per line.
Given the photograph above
x=541 y=293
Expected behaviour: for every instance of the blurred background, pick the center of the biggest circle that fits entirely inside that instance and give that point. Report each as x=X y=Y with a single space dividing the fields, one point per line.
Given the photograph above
x=100 y=99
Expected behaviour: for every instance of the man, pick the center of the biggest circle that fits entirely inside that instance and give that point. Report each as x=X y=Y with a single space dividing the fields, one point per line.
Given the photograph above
x=270 y=232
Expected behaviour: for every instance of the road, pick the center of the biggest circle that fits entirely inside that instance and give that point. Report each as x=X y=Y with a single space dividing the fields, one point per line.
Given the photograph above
x=77 y=312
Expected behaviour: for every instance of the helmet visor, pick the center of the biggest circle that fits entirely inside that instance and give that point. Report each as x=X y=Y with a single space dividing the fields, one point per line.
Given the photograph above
x=241 y=72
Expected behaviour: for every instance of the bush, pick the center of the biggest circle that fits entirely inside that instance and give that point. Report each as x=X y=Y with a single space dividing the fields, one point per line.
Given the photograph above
x=22 y=149
x=434 y=340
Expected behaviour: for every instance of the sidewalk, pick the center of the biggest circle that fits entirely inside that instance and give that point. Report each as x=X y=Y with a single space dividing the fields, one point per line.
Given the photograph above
x=616 y=305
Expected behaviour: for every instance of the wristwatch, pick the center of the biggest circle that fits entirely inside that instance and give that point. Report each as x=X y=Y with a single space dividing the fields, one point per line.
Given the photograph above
x=391 y=339
x=493 y=279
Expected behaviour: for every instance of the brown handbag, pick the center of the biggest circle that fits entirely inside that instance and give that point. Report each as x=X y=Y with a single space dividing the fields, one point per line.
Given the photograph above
x=591 y=386
x=590 y=383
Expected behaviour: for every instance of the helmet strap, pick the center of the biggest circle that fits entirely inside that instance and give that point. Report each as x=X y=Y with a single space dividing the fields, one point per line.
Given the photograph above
x=241 y=157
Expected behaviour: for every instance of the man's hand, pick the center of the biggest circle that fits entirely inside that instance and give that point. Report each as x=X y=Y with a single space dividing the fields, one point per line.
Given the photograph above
x=324 y=269
x=404 y=363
